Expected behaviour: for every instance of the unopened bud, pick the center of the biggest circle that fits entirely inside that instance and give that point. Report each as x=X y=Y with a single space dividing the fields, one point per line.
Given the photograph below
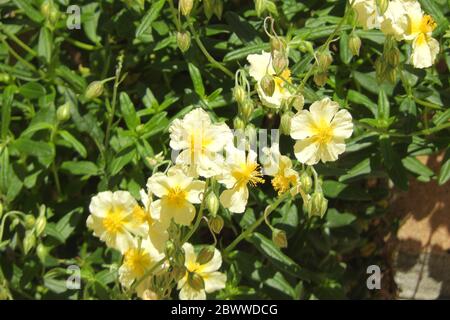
x=63 y=112
x=149 y=295
x=305 y=47
x=5 y=78
x=195 y=281
x=268 y=85
x=41 y=223
x=54 y=15
x=247 y=109
x=297 y=101
x=186 y=7
x=205 y=255
x=392 y=75
x=212 y=203
x=277 y=44
x=354 y=44
x=260 y=7
x=238 y=124
x=208 y=8
x=306 y=182
x=240 y=95
x=42 y=252
x=317 y=205
x=183 y=40
x=46 y=8
x=285 y=123
x=170 y=249
x=279 y=62
x=380 y=69
x=279 y=238
x=218 y=8
x=29 y=221
x=324 y=60
x=393 y=57
x=216 y=224
x=179 y=257
x=94 y=90
x=29 y=241
x=321 y=78
x=382 y=6
x=178 y=272
x=1 y=209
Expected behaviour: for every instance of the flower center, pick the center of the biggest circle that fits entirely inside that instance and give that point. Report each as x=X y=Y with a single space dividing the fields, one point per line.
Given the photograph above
x=427 y=24
x=324 y=133
x=114 y=221
x=176 y=196
x=248 y=173
x=281 y=183
x=137 y=261
x=141 y=216
x=280 y=81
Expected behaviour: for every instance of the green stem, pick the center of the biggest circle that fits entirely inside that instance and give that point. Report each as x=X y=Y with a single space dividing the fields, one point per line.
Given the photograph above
x=199 y=216
x=20 y=43
x=255 y=224
x=19 y=58
x=81 y=45
x=113 y=107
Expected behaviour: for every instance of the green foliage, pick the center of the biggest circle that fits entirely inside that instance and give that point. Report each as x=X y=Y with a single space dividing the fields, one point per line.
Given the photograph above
x=52 y=168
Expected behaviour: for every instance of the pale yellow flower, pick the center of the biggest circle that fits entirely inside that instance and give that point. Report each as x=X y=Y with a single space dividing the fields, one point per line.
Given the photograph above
x=177 y=193
x=260 y=65
x=138 y=259
x=200 y=142
x=367 y=14
x=240 y=170
x=280 y=168
x=112 y=219
x=321 y=132
x=213 y=279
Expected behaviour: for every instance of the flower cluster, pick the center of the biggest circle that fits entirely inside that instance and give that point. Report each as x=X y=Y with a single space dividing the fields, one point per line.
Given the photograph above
x=402 y=20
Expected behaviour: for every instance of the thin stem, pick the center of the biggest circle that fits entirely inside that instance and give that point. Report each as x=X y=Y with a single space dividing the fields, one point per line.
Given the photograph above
x=255 y=224
x=19 y=58
x=20 y=43
x=114 y=101
x=174 y=15
x=81 y=45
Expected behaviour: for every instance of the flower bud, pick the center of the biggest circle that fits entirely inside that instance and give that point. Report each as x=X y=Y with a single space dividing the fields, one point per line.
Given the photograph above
x=94 y=90
x=218 y=8
x=54 y=15
x=277 y=44
x=170 y=249
x=279 y=62
x=279 y=238
x=380 y=69
x=392 y=75
x=208 y=8
x=149 y=295
x=1 y=209
x=260 y=7
x=285 y=123
x=393 y=57
x=268 y=85
x=305 y=46
x=29 y=241
x=306 y=182
x=238 y=124
x=5 y=78
x=212 y=203
x=178 y=272
x=324 y=60
x=29 y=221
x=321 y=78
x=240 y=95
x=42 y=252
x=186 y=6
x=41 y=223
x=63 y=112
x=205 y=255
x=216 y=224
x=297 y=101
x=195 y=281
x=46 y=8
x=382 y=6
x=183 y=40
x=354 y=44
x=179 y=257
x=317 y=205
x=247 y=109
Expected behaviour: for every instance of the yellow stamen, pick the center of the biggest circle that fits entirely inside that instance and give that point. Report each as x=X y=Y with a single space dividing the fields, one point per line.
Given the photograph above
x=282 y=183
x=176 y=196
x=323 y=132
x=280 y=81
x=137 y=260
x=140 y=216
x=114 y=221
x=248 y=173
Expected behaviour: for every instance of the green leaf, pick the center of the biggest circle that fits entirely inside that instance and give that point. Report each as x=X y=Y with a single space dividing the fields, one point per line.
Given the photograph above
x=196 y=79
x=417 y=167
x=85 y=168
x=244 y=52
x=34 y=127
x=148 y=19
x=362 y=168
x=444 y=173
x=44 y=151
x=65 y=226
x=155 y=125
x=76 y=145
x=344 y=52
x=334 y=189
x=359 y=98
x=90 y=17
x=393 y=164
x=335 y=219
x=7 y=100
x=121 y=160
x=128 y=111
x=32 y=90
x=383 y=106
x=29 y=10
x=45 y=45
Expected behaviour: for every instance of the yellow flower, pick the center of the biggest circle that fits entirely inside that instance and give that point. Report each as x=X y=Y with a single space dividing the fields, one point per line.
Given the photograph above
x=211 y=279
x=260 y=65
x=280 y=167
x=112 y=219
x=367 y=13
x=177 y=193
x=321 y=132
x=240 y=171
x=137 y=260
x=200 y=142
